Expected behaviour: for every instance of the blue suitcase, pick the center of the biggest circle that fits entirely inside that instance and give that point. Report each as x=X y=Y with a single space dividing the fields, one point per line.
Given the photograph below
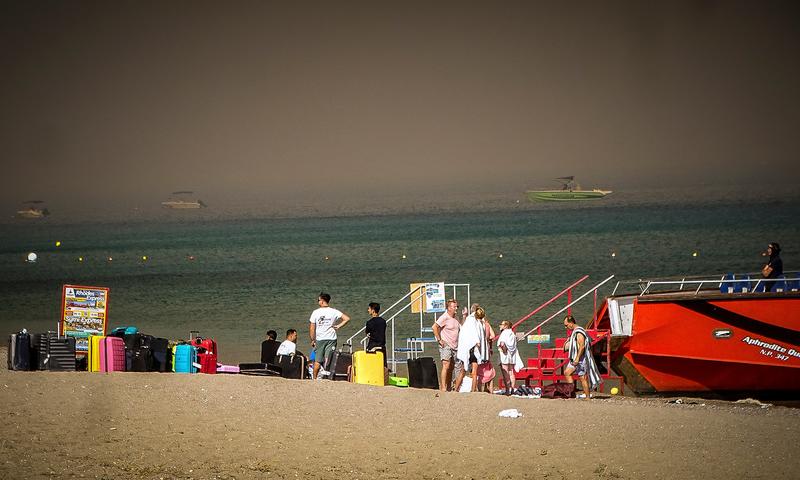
x=185 y=359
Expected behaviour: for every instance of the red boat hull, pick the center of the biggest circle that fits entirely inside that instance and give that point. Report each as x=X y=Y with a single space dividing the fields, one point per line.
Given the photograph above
x=713 y=343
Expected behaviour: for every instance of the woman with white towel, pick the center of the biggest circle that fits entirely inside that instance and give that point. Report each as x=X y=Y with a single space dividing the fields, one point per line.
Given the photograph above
x=509 y=356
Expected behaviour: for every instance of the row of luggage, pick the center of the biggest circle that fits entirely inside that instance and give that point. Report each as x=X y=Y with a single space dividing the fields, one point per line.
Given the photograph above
x=137 y=352
x=125 y=349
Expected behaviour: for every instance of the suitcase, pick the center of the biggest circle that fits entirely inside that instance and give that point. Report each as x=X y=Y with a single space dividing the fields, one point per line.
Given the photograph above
x=56 y=354
x=185 y=359
x=430 y=377
x=368 y=368
x=227 y=368
x=19 y=351
x=422 y=373
x=122 y=331
x=93 y=357
x=12 y=347
x=36 y=339
x=138 y=355
x=112 y=355
x=292 y=366
x=208 y=362
x=340 y=365
x=209 y=346
x=161 y=355
x=415 y=373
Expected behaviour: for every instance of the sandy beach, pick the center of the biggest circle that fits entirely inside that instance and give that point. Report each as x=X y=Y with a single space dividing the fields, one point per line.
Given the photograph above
x=150 y=425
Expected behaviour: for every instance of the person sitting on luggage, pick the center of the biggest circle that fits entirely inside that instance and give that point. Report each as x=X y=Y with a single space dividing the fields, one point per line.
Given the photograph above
x=376 y=331
x=269 y=347
x=289 y=346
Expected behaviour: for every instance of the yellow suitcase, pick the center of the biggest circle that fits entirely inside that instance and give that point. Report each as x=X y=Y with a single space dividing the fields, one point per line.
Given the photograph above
x=368 y=368
x=94 y=353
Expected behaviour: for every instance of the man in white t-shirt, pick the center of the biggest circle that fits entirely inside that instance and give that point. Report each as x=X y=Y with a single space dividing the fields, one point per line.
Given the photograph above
x=322 y=330
x=289 y=346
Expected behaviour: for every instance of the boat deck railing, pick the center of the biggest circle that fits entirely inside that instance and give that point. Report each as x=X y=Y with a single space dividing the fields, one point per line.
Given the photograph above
x=728 y=283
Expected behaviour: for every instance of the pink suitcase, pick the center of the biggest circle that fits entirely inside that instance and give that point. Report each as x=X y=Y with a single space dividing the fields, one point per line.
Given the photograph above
x=112 y=355
x=227 y=368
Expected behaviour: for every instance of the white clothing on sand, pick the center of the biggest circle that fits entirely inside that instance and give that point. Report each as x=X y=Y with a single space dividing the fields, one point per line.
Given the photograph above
x=288 y=347
x=470 y=335
x=325 y=318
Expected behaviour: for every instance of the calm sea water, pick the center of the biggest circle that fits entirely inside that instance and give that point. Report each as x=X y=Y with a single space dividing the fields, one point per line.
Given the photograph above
x=251 y=274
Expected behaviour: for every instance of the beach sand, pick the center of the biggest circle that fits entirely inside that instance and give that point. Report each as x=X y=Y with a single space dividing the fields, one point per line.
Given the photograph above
x=150 y=425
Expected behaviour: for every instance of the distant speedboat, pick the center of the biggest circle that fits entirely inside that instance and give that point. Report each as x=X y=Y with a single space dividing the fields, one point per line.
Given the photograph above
x=182 y=203
x=32 y=211
x=569 y=191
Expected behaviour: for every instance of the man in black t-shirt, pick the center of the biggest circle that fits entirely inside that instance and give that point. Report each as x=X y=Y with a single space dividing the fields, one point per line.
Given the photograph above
x=376 y=331
x=269 y=347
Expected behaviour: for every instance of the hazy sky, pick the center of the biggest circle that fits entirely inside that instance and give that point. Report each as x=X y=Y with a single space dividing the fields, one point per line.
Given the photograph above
x=110 y=99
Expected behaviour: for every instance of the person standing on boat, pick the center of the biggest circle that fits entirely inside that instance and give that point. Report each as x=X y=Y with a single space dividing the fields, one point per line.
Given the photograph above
x=774 y=267
x=581 y=361
x=322 y=330
x=445 y=330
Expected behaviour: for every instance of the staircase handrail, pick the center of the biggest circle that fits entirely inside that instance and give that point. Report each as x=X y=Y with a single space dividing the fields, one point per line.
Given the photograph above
x=556 y=297
x=569 y=305
x=362 y=329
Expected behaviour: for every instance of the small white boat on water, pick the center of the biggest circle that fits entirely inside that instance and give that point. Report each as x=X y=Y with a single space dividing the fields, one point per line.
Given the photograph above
x=180 y=201
x=33 y=211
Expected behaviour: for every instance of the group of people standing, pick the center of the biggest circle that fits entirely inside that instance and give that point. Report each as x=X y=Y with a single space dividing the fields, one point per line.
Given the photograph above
x=466 y=347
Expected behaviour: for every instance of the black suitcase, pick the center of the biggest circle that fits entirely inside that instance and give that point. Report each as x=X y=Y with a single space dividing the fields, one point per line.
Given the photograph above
x=340 y=365
x=141 y=359
x=56 y=354
x=415 y=373
x=161 y=353
x=430 y=377
x=19 y=350
x=264 y=369
x=291 y=366
x=36 y=340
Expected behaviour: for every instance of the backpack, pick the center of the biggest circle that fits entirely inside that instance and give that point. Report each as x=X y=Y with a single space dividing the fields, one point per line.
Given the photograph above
x=558 y=390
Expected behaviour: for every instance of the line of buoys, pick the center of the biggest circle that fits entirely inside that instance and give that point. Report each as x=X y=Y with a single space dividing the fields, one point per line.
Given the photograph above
x=32 y=257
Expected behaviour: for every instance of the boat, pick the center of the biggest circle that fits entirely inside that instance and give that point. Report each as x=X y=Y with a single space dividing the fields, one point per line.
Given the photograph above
x=727 y=335
x=714 y=335
x=569 y=191
x=182 y=202
x=32 y=211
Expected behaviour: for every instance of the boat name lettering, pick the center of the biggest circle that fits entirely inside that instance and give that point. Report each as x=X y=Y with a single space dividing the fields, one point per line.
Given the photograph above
x=760 y=343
